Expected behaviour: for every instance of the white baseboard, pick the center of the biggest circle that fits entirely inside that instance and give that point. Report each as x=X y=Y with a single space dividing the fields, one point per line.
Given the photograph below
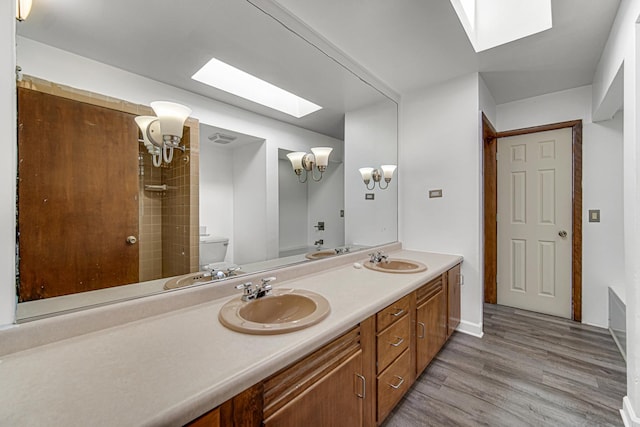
x=469 y=328
x=629 y=417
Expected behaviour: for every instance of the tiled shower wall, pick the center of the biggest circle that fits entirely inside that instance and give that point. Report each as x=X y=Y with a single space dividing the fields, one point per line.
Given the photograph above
x=169 y=237
x=150 y=212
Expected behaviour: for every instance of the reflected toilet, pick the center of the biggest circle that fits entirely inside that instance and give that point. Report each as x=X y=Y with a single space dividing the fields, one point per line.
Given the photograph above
x=213 y=249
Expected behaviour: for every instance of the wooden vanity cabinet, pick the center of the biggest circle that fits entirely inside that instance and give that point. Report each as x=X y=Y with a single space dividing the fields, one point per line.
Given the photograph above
x=210 y=419
x=243 y=410
x=454 y=280
x=431 y=321
x=394 y=349
x=323 y=389
x=358 y=378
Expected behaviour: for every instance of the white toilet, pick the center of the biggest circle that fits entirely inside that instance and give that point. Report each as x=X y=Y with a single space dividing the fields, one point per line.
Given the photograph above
x=212 y=251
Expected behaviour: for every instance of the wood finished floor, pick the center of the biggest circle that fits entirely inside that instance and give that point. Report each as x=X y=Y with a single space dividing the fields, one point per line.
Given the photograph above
x=528 y=370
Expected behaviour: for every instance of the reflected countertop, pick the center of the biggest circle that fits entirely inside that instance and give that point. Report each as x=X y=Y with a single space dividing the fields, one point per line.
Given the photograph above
x=171 y=368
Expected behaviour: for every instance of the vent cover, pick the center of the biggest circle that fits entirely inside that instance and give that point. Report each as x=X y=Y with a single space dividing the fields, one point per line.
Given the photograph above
x=221 y=138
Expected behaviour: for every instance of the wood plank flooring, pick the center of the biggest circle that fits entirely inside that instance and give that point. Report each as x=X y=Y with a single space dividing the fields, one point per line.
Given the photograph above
x=529 y=369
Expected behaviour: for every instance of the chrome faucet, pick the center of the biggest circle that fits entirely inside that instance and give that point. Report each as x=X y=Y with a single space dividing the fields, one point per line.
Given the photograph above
x=251 y=293
x=214 y=273
x=319 y=243
x=377 y=257
x=345 y=250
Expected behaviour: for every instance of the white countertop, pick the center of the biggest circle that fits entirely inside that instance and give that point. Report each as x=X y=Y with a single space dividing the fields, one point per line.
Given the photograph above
x=171 y=368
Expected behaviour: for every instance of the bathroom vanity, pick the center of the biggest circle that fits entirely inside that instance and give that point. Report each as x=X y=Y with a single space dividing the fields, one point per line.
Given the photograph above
x=171 y=368
x=390 y=348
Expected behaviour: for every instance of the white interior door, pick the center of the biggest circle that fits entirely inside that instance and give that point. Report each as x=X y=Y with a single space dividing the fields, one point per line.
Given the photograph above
x=534 y=222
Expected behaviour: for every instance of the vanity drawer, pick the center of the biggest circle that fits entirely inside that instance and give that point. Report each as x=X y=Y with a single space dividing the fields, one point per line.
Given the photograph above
x=393 y=383
x=392 y=313
x=393 y=341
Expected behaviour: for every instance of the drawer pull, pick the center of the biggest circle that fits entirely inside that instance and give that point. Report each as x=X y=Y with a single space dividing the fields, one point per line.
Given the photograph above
x=422 y=330
x=398 y=313
x=397 y=386
x=363 y=380
x=397 y=343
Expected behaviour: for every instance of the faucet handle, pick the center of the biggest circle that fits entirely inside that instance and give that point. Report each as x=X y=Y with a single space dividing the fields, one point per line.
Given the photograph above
x=247 y=288
x=265 y=285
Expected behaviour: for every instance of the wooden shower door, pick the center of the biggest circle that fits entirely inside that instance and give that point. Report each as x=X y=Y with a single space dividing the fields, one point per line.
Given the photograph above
x=77 y=196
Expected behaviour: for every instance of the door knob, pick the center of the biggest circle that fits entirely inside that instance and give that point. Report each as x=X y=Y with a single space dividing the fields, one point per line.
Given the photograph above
x=132 y=240
x=562 y=234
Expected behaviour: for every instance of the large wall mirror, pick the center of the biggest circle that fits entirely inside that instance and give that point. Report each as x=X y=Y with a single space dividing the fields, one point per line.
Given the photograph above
x=233 y=188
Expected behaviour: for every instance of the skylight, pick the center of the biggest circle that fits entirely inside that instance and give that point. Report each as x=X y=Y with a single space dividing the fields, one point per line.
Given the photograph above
x=237 y=82
x=491 y=23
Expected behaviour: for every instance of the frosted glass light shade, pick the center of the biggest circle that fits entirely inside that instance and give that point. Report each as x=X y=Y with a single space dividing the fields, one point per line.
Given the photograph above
x=143 y=123
x=172 y=117
x=387 y=171
x=23 y=8
x=322 y=155
x=366 y=174
x=296 y=159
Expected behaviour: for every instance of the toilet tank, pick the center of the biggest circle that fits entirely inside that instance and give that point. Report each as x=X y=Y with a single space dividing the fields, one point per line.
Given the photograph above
x=212 y=249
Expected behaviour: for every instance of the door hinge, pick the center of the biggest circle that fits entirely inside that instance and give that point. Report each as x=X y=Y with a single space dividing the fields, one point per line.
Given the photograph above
x=497 y=156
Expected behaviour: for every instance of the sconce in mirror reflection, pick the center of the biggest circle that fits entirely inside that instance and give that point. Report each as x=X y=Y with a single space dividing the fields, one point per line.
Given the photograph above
x=162 y=134
x=300 y=161
x=23 y=7
x=370 y=173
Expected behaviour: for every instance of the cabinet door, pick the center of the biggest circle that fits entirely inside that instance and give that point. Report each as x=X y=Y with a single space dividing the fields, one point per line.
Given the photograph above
x=431 y=329
x=453 y=295
x=333 y=401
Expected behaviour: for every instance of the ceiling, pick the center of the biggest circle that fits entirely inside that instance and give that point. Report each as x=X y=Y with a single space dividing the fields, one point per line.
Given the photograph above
x=411 y=44
x=408 y=44
x=168 y=42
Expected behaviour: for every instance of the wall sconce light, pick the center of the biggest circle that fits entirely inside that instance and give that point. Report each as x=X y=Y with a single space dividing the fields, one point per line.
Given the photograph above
x=162 y=134
x=23 y=7
x=144 y=123
x=300 y=160
x=369 y=173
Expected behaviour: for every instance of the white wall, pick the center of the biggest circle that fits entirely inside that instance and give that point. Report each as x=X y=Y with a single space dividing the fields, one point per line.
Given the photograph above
x=367 y=135
x=603 y=242
x=249 y=202
x=216 y=191
x=622 y=50
x=602 y=251
x=7 y=162
x=487 y=103
x=440 y=149
x=293 y=206
x=326 y=199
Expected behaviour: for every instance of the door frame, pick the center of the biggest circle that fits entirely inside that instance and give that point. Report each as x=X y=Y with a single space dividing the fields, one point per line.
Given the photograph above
x=490 y=207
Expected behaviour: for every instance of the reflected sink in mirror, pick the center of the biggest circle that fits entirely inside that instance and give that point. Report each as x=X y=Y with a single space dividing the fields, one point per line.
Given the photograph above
x=396 y=265
x=321 y=254
x=196 y=278
x=284 y=310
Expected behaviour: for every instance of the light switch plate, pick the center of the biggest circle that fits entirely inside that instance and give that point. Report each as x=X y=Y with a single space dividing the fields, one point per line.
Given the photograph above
x=594 y=215
x=369 y=196
x=435 y=193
